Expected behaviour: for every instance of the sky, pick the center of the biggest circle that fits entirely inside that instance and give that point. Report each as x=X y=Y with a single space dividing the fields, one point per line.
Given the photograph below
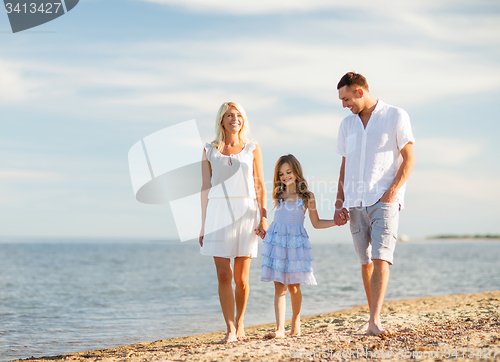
x=78 y=92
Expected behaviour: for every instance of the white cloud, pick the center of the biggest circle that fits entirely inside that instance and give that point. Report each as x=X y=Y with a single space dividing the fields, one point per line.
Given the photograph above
x=446 y=151
x=474 y=29
x=195 y=100
x=14 y=86
x=250 y=7
x=307 y=128
x=169 y=73
x=256 y=7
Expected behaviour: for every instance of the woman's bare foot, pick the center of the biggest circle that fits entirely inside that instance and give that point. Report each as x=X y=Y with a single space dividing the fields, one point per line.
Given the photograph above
x=230 y=338
x=376 y=330
x=275 y=335
x=363 y=327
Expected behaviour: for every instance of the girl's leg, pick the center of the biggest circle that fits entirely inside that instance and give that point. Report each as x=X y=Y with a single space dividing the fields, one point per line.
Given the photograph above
x=296 y=297
x=226 y=297
x=241 y=274
x=279 y=309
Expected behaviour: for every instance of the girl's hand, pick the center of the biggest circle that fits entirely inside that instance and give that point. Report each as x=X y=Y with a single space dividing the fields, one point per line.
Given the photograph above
x=341 y=216
x=261 y=229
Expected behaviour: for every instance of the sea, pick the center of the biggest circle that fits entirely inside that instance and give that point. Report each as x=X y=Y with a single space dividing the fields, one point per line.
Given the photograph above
x=62 y=296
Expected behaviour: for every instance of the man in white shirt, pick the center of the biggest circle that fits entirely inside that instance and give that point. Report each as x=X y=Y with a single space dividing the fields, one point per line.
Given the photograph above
x=376 y=145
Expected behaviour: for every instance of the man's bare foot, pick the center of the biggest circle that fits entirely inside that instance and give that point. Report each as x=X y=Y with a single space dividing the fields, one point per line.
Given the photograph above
x=363 y=327
x=229 y=338
x=376 y=330
x=275 y=335
x=295 y=330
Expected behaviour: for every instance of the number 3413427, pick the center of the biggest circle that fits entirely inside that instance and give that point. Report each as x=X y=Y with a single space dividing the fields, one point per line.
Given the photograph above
x=47 y=8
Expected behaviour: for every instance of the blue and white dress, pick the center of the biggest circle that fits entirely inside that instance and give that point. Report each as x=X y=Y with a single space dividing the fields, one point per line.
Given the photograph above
x=287 y=250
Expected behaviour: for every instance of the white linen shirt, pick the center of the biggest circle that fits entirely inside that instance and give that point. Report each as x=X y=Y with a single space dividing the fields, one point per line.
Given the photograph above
x=372 y=155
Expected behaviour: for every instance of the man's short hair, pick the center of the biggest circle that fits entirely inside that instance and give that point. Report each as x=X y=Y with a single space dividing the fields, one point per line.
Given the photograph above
x=353 y=79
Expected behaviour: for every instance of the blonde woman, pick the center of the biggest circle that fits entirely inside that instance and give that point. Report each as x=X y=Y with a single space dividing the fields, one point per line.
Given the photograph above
x=233 y=201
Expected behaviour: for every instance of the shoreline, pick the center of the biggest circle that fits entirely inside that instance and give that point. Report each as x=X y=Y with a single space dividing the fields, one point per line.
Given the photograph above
x=426 y=328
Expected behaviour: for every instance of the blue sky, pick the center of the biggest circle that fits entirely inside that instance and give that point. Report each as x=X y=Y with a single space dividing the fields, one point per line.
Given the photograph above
x=78 y=92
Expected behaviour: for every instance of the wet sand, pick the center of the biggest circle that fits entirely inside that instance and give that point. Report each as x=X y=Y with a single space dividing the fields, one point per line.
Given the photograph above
x=455 y=327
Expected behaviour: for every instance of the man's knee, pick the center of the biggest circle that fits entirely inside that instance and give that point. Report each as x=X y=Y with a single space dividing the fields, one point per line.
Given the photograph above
x=367 y=266
x=380 y=264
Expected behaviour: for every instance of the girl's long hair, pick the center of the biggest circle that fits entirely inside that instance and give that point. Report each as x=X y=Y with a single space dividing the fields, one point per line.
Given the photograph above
x=220 y=135
x=300 y=182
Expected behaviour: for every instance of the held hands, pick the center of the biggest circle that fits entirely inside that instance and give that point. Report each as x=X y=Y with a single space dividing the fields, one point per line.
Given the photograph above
x=341 y=217
x=261 y=229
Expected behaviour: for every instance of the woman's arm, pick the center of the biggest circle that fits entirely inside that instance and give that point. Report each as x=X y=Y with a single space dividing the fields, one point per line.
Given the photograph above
x=316 y=222
x=260 y=191
x=206 y=175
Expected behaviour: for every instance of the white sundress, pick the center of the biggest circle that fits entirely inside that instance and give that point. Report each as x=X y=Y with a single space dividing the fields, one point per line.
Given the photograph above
x=232 y=211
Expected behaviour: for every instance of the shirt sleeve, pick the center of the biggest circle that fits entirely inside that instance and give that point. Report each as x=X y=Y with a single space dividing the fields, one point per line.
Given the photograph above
x=404 y=133
x=341 y=140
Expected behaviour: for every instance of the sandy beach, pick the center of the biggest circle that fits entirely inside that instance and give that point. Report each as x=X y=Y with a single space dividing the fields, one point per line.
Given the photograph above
x=458 y=327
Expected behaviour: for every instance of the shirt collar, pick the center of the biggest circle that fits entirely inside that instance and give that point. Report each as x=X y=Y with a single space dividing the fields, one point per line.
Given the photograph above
x=380 y=105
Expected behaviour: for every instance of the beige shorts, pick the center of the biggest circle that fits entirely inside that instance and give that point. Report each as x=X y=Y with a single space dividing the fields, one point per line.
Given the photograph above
x=374 y=231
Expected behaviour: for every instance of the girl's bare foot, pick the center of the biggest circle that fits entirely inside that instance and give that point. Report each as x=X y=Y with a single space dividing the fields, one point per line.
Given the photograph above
x=363 y=327
x=240 y=332
x=376 y=330
x=295 y=331
x=230 y=338
x=275 y=335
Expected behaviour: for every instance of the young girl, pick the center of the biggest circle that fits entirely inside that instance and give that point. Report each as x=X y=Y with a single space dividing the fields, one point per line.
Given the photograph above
x=287 y=250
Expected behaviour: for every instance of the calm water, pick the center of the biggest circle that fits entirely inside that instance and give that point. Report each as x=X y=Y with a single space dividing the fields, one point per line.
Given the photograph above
x=58 y=297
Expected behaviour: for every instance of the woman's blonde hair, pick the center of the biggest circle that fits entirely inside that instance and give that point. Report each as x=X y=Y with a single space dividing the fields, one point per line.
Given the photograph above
x=300 y=182
x=220 y=135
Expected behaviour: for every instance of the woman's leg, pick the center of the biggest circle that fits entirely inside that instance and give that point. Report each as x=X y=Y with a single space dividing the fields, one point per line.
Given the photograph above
x=279 y=308
x=296 y=297
x=226 y=297
x=241 y=274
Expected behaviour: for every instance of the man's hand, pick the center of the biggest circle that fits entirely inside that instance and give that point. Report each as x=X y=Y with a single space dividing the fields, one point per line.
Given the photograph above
x=404 y=171
x=388 y=198
x=341 y=216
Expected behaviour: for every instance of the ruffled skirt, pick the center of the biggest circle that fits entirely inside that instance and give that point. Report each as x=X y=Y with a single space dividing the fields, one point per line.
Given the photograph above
x=287 y=255
x=229 y=227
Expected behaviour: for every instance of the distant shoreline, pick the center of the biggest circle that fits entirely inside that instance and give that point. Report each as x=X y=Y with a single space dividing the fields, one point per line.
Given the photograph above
x=466 y=237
